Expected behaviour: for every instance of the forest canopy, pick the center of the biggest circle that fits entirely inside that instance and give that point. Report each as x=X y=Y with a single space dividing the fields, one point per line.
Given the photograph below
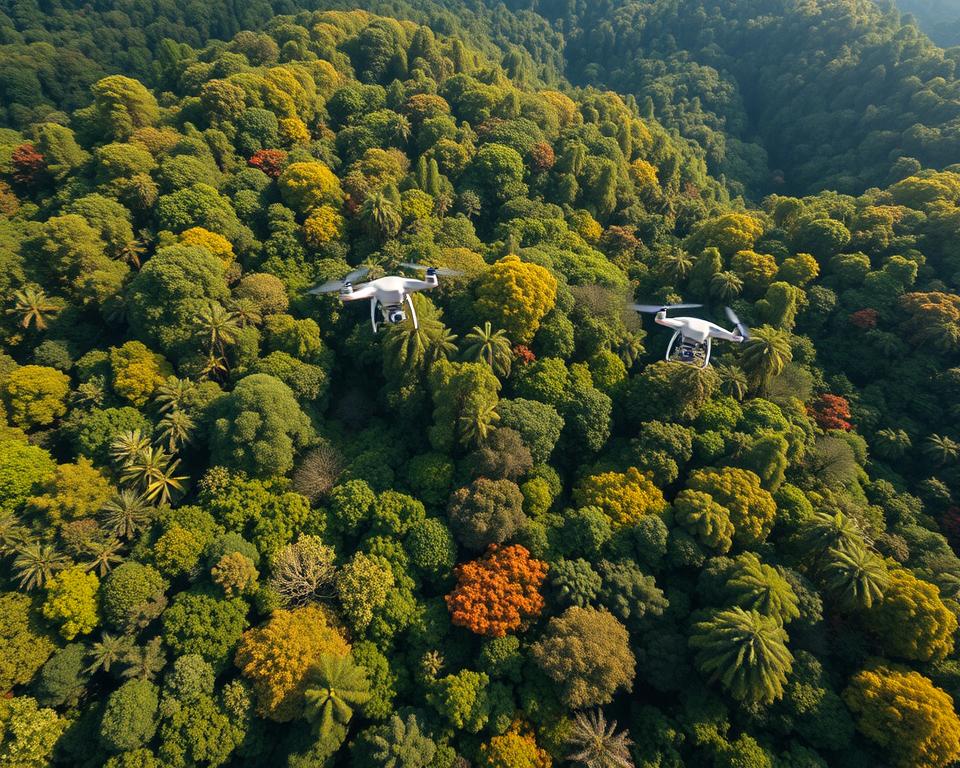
x=239 y=527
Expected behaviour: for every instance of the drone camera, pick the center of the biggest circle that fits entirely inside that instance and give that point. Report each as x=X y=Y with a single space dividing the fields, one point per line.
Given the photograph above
x=346 y=290
x=396 y=316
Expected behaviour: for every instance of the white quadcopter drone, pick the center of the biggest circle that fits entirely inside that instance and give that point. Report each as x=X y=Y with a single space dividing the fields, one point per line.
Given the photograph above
x=692 y=336
x=389 y=293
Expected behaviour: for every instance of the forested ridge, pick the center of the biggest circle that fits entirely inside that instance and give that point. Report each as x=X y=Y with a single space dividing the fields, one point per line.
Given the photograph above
x=238 y=528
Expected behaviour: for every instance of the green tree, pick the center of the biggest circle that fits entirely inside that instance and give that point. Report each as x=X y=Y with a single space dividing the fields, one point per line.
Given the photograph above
x=586 y=652
x=259 y=427
x=26 y=642
x=130 y=716
x=28 y=733
x=489 y=346
x=400 y=743
x=745 y=652
x=855 y=577
x=756 y=586
x=32 y=307
x=486 y=512
x=335 y=687
x=765 y=355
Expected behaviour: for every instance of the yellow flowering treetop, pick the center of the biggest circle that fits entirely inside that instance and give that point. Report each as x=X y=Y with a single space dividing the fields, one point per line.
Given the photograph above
x=515 y=295
x=624 y=497
x=218 y=245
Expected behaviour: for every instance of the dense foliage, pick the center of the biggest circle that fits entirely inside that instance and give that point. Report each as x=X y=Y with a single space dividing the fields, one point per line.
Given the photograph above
x=238 y=528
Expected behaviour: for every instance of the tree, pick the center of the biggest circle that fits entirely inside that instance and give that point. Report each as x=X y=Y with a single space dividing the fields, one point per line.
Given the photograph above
x=751 y=508
x=489 y=346
x=153 y=471
x=745 y=652
x=36 y=564
x=128 y=587
x=381 y=216
x=137 y=372
x=72 y=602
x=756 y=586
x=259 y=427
x=130 y=716
x=514 y=749
x=306 y=185
x=126 y=512
x=23 y=467
x=465 y=401
x=400 y=744
x=28 y=733
x=597 y=744
x=911 y=620
x=629 y=593
x=765 y=355
x=335 y=687
x=497 y=593
x=33 y=307
x=120 y=106
x=941 y=449
x=625 y=497
x=199 y=621
x=586 y=652
x=486 y=512
x=515 y=296
x=855 y=577
x=302 y=571
x=832 y=412
x=904 y=714
x=27 y=644
x=539 y=425
x=704 y=519
x=362 y=586
x=463 y=699
x=35 y=395
x=275 y=658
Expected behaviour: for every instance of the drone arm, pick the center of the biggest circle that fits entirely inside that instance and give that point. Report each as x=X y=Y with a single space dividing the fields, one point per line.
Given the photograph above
x=661 y=319
x=720 y=333
x=360 y=292
x=413 y=312
x=412 y=285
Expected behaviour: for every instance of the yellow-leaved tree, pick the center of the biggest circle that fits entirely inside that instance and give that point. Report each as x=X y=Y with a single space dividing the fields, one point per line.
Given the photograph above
x=624 y=497
x=515 y=295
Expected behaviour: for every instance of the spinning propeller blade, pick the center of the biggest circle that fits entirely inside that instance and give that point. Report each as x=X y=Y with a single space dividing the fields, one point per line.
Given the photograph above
x=442 y=271
x=740 y=327
x=332 y=286
x=654 y=308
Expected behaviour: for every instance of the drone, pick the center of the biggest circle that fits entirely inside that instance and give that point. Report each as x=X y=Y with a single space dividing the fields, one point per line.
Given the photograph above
x=692 y=336
x=388 y=293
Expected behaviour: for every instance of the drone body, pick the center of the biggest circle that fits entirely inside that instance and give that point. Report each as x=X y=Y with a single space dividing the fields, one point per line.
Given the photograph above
x=692 y=337
x=388 y=293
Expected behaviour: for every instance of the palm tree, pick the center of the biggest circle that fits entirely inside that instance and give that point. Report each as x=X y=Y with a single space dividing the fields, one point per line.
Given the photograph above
x=381 y=215
x=173 y=393
x=492 y=347
x=470 y=203
x=826 y=531
x=941 y=449
x=246 y=312
x=154 y=472
x=126 y=513
x=745 y=652
x=726 y=286
x=12 y=533
x=33 y=306
x=105 y=556
x=109 y=650
x=335 y=687
x=176 y=427
x=413 y=349
x=597 y=744
x=36 y=564
x=132 y=253
x=218 y=326
x=733 y=381
x=127 y=447
x=758 y=587
x=441 y=343
x=855 y=577
x=676 y=265
x=477 y=422
x=891 y=443
x=144 y=662
x=765 y=355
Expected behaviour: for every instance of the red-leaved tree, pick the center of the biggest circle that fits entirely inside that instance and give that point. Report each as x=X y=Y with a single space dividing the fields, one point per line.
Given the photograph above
x=832 y=412
x=28 y=163
x=864 y=319
x=270 y=161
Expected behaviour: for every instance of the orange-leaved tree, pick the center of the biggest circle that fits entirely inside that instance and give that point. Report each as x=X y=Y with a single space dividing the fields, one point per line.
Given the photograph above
x=497 y=593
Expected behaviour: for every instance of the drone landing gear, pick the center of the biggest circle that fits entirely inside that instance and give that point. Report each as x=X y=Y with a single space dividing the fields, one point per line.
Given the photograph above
x=392 y=313
x=688 y=351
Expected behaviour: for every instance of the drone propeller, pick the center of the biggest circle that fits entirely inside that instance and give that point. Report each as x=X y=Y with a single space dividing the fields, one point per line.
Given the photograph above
x=740 y=327
x=332 y=286
x=442 y=271
x=654 y=308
